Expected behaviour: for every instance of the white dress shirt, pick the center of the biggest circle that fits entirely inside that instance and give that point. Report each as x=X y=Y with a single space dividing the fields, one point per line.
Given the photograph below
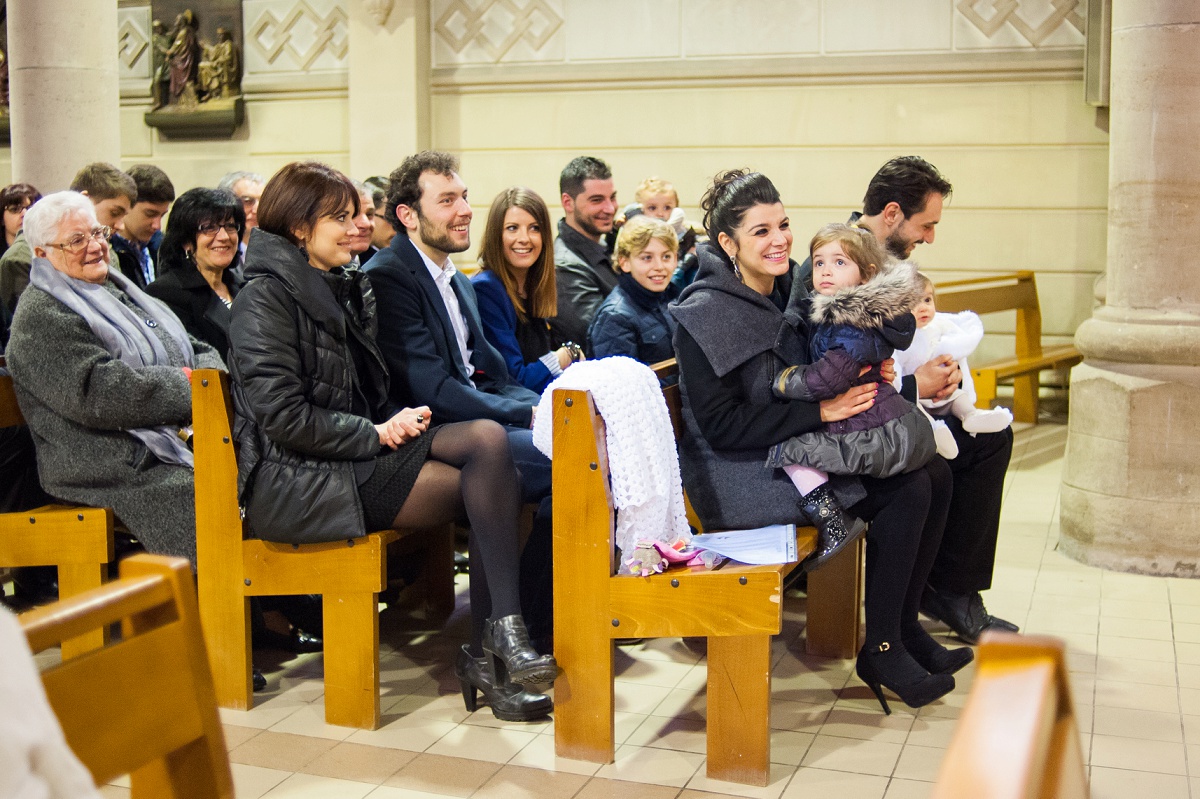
x=441 y=276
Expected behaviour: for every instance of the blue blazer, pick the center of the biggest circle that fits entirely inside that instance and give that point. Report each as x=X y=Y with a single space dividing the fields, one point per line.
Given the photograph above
x=422 y=353
x=499 y=319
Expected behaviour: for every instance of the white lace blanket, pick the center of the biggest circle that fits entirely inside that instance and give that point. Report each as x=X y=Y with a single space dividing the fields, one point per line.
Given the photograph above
x=641 y=446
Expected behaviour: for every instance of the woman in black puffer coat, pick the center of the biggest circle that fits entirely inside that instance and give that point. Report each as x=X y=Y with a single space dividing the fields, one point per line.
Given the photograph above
x=325 y=455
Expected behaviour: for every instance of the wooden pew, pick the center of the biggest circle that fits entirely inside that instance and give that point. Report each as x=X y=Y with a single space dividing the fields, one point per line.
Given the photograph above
x=144 y=706
x=738 y=608
x=1016 y=291
x=78 y=540
x=231 y=568
x=1017 y=737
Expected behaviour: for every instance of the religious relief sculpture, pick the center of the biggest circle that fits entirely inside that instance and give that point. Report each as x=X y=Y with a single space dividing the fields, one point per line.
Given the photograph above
x=197 y=84
x=3 y=83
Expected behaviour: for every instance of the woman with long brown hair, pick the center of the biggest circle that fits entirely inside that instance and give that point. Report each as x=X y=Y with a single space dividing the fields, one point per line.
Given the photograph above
x=516 y=289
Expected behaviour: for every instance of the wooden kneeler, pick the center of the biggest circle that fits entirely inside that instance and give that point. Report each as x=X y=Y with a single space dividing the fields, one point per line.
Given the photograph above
x=231 y=568
x=738 y=608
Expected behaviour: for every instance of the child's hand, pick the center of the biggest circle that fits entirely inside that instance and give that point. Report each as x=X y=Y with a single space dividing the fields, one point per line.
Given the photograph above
x=851 y=403
x=887 y=370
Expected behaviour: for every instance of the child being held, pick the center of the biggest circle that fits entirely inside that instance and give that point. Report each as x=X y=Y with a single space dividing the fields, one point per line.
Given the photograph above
x=860 y=314
x=956 y=335
x=658 y=198
x=633 y=319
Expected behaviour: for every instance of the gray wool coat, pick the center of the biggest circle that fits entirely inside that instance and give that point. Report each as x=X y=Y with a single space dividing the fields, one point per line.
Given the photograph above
x=78 y=401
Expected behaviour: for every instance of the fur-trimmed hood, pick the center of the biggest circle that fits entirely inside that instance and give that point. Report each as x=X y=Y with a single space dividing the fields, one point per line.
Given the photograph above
x=894 y=291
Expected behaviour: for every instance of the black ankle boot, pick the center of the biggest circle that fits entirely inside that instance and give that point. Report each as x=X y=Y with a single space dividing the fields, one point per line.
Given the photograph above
x=893 y=667
x=935 y=658
x=506 y=643
x=508 y=702
x=835 y=528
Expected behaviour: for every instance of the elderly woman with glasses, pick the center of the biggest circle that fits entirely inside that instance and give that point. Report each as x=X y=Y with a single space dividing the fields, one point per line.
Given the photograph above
x=199 y=266
x=101 y=373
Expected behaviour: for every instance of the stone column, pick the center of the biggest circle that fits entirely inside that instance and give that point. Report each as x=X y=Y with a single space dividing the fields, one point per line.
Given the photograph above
x=1131 y=484
x=389 y=83
x=63 y=91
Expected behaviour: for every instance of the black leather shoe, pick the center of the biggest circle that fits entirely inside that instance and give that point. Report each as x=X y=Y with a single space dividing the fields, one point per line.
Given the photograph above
x=508 y=702
x=962 y=613
x=258 y=680
x=835 y=528
x=506 y=644
x=297 y=641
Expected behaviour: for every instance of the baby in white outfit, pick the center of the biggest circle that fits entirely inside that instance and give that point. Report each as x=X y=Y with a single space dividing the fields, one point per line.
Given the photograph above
x=956 y=335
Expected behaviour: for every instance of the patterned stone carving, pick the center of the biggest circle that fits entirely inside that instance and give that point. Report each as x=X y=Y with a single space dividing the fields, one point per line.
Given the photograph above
x=379 y=10
x=133 y=43
x=295 y=36
x=487 y=30
x=1015 y=14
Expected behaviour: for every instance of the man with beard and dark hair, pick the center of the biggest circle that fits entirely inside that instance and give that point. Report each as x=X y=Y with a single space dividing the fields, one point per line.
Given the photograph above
x=433 y=342
x=582 y=263
x=902 y=207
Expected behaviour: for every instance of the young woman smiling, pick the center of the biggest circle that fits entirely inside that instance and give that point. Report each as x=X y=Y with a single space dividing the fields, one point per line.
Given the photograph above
x=516 y=289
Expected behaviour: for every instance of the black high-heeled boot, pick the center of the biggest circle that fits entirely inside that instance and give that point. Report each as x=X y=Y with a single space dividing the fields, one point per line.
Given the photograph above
x=506 y=644
x=935 y=658
x=508 y=702
x=893 y=667
x=835 y=528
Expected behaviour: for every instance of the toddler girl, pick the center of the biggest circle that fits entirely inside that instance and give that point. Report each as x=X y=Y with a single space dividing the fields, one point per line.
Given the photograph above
x=860 y=314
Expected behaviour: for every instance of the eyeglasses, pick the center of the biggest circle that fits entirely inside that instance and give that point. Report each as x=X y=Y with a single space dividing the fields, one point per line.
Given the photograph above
x=211 y=228
x=17 y=207
x=77 y=243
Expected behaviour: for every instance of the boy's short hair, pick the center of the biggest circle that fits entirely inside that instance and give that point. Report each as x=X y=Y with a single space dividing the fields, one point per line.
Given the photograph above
x=655 y=187
x=104 y=181
x=153 y=185
x=579 y=170
x=859 y=244
x=636 y=234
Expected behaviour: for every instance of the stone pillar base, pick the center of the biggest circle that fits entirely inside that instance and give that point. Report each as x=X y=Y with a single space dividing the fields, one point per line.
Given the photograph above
x=1131 y=482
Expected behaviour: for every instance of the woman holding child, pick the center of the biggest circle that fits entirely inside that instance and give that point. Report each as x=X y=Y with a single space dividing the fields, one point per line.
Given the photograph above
x=739 y=326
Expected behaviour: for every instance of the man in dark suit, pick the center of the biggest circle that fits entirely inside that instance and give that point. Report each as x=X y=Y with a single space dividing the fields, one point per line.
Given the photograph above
x=433 y=342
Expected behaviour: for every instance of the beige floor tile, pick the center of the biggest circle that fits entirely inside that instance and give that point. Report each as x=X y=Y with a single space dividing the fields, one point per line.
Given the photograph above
x=777 y=781
x=1052 y=584
x=1187 y=633
x=798 y=716
x=1134 y=586
x=1136 y=648
x=814 y=782
x=310 y=720
x=539 y=753
x=1185 y=614
x=1193 y=758
x=1133 y=609
x=414 y=733
x=260 y=718
x=1189 y=701
x=1183 y=591
x=1187 y=653
x=448 y=776
x=1112 y=783
x=389 y=792
x=680 y=735
x=518 y=782
x=1137 y=629
x=919 y=763
x=443 y=706
x=1143 y=724
x=599 y=788
x=660 y=673
x=908 y=789
x=347 y=761
x=1058 y=622
x=632 y=697
x=687 y=703
x=931 y=731
x=789 y=747
x=1150 y=672
x=847 y=754
x=1160 y=757
x=497 y=746
x=113 y=792
x=675 y=650
x=280 y=750
x=236 y=736
x=869 y=725
x=1056 y=603
x=657 y=766
x=307 y=786
x=251 y=782
x=1161 y=698
x=1191 y=728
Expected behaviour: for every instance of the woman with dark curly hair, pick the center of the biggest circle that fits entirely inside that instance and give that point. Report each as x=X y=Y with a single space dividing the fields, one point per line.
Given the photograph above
x=198 y=267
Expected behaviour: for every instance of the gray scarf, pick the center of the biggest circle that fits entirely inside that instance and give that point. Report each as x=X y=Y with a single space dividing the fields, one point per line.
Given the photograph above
x=126 y=335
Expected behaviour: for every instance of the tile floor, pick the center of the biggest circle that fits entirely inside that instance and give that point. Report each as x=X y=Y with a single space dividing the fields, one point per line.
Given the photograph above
x=1134 y=656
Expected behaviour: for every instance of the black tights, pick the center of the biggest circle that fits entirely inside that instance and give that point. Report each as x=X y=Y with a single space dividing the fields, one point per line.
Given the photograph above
x=470 y=468
x=907 y=515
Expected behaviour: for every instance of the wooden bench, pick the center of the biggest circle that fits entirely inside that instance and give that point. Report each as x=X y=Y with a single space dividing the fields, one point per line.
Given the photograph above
x=349 y=574
x=77 y=540
x=738 y=608
x=1016 y=291
x=144 y=706
x=1017 y=737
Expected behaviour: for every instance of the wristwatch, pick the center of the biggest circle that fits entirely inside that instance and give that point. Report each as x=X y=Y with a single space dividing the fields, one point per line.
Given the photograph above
x=575 y=350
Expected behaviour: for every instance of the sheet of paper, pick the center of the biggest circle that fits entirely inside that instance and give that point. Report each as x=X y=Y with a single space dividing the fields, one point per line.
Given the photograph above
x=760 y=546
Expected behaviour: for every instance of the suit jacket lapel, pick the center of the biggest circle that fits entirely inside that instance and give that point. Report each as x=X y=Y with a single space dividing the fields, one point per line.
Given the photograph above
x=425 y=280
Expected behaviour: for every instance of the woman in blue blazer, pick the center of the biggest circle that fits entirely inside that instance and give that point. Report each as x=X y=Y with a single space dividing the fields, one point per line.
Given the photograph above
x=516 y=289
